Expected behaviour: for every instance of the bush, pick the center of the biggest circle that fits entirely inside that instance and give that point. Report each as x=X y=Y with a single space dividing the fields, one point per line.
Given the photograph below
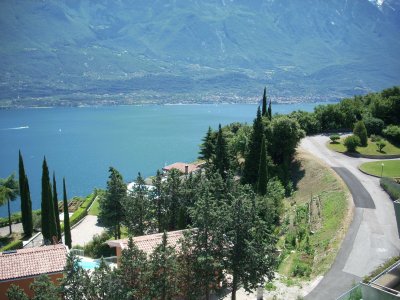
x=12 y=246
x=97 y=247
x=301 y=269
x=380 y=145
x=375 y=138
x=373 y=125
x=392 y=133
x=334 y=138
x=361 y=132
x=391 y=187
x=82 y=211
x=351 y=143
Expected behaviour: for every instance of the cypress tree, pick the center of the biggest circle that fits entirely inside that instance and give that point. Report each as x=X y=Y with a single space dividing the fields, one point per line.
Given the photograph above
x=270 y=110
x=56 y=211
x=67 y=228
x=26 y=203
x=252 y=162
x=264 y=103
x=49 y=229
x=263 y=170
x=221 y=162
x=361 y=132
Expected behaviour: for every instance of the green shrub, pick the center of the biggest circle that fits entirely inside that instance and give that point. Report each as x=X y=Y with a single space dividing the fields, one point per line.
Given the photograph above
x=360 y=131
x=375 y=138
x=373 y=125
x=12 y=246
x=97 y=247
x=391 y=187
x=380 y=145
x=301 y=269
x=392 y=133
x=334 y=138
x=82 y=211
x=269 y=286
x=351 y=143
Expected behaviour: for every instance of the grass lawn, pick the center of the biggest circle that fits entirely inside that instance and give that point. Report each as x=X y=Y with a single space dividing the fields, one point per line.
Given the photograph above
x=371 y=149
x=94 y=210
x=391 y=168
x=328 y=225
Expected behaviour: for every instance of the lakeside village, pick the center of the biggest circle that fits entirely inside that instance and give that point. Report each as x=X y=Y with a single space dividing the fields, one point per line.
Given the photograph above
x=196 y=231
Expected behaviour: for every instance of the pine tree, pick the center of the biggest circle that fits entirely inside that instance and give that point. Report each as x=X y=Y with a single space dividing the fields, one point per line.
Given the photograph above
x=67 y=228
x=263 y=170
x=264 y=103
x=136 y=207
x=163 y=269
x=270 y=110
x=56 y=211
x=221 y=162
x=172 y=199
x=207 y=150
x=158 y=198
x=16 y=293
x=44 y=289
x=49 y=228
x=75 y=283
x=132 y=273
x=252 y=162
x=26 y=203
x=111 y=212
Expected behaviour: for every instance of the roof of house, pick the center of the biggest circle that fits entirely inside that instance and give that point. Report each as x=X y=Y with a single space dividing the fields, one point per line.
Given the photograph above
x=32 y=261
x=147 y=243
x=181 y=167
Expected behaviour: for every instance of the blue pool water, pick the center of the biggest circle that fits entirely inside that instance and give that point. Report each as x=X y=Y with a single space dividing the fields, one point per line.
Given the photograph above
x=89 y=265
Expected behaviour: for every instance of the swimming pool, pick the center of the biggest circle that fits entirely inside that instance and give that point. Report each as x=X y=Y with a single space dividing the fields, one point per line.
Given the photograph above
x=89 y=265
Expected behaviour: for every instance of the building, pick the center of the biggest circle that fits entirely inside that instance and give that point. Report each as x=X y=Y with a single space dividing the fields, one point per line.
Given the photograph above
x=147 y=243
x=184 y=168
x=21 y=267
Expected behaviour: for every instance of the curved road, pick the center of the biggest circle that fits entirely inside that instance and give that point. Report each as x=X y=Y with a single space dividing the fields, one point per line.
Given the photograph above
x=372 y=237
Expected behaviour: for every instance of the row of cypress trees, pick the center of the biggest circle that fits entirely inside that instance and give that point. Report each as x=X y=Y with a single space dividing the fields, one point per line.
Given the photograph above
x=51 y=228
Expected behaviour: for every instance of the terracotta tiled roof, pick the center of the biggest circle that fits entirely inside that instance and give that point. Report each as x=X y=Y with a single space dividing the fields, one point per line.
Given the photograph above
x=181 y=167
x=33 y=261
x=147 y=243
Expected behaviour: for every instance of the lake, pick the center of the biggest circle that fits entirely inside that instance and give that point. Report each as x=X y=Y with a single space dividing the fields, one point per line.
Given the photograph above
x=80 y=144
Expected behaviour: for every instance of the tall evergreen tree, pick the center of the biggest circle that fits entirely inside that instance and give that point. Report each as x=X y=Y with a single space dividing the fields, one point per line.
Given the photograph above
x=163 y=269
x=26 y=203
x=264 y=103
x=15 y=292
x=55 y=205
x=44 y=289
x=158 y=198
x=270 y=110
x=49 y=227
x=111 y=211
x=136 y=208
x=361 y=131
x=173 y=193
x=67 y=228
x=252 y=162
x=263 y=170
x=207 y=148
x=221 y=162
x=74 y=284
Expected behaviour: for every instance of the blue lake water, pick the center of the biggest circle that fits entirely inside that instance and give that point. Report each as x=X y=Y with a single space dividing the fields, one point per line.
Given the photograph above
x=81 y=143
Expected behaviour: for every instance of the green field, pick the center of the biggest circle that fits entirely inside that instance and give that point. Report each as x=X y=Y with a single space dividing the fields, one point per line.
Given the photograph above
x=391 y=168
x=371 y=149
x=94 y=210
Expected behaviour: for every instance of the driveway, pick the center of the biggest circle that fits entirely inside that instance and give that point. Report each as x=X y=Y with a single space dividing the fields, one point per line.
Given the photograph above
x=85 y=230
x=372 y=237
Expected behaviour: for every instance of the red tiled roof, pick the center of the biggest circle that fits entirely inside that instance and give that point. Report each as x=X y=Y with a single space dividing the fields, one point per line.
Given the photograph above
x=33 y=261
x=147 y=243
x=181 y=167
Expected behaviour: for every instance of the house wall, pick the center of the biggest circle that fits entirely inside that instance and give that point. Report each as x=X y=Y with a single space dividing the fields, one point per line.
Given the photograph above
x=24 y=283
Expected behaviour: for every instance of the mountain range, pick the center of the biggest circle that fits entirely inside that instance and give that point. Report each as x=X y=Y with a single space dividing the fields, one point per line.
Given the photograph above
x=78 y=52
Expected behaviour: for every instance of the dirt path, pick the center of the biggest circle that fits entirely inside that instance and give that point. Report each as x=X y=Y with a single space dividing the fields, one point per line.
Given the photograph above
x=372 y=237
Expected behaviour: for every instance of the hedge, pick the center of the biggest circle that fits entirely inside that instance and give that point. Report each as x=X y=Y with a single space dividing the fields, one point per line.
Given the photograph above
x=82 y=211
x=12 y=246
x=391 y=187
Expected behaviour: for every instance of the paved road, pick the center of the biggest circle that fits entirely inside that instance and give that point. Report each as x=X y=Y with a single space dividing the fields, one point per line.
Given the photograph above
x=372 y=237
x=84 y=231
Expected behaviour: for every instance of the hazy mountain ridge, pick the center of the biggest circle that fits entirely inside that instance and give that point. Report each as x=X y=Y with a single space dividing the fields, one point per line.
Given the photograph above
x=178 y=50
